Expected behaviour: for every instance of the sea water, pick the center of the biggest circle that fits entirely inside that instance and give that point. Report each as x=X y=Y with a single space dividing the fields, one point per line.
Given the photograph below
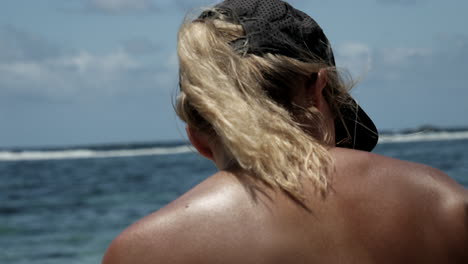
x=66 y=205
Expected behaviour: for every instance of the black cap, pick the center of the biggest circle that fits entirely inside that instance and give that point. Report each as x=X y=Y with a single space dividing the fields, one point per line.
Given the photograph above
x=274 y=26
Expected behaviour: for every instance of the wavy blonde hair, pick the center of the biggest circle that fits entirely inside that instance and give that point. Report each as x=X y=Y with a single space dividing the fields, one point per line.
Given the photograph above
x=245 y=102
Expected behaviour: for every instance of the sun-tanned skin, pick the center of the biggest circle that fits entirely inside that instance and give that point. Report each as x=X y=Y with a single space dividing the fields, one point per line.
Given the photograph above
x=380 y=210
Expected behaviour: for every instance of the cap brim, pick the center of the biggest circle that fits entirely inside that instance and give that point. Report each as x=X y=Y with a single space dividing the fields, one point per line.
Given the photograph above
x=356 y=130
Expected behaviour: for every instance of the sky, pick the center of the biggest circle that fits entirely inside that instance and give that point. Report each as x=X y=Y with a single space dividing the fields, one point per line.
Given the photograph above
x=105 y=71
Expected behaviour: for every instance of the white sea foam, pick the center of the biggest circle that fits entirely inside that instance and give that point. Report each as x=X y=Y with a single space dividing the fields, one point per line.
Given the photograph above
x=423 y=136
x=86 y=153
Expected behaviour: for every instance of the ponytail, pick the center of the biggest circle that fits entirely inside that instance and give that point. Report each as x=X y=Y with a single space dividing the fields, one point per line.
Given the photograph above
x=245 y=102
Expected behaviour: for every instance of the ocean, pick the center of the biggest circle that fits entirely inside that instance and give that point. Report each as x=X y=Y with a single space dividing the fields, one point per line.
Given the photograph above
x=65 y=205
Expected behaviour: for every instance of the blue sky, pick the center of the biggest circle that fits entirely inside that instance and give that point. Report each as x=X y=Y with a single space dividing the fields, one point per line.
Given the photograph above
x=99 y=71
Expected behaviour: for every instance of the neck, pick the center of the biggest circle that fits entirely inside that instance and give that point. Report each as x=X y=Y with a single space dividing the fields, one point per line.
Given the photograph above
x=221 y=157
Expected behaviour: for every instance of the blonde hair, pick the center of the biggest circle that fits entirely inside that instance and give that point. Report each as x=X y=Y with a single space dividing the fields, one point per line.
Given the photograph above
x=245 y=101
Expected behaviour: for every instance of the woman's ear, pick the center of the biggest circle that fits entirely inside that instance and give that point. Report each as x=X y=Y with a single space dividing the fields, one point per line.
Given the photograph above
x=311 y=93
x=200 y=141
x=316 y=86
x=322 y=79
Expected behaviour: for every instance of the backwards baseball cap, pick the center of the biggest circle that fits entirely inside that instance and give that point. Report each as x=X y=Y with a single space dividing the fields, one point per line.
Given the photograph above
x=274 y=26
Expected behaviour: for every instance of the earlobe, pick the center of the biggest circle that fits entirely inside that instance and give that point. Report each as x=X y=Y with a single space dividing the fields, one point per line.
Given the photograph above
x=200 y=142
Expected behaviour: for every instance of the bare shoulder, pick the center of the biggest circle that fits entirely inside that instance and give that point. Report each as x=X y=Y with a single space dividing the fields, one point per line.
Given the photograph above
x=208 y=220
x=413 y=179
x=390 y=169
x=426 y=194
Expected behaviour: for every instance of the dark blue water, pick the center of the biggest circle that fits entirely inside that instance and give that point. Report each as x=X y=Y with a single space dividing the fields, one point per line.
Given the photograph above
x=68 y=211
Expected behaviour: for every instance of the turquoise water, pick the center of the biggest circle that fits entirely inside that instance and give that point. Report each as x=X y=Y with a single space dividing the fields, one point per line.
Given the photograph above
x=60 y=210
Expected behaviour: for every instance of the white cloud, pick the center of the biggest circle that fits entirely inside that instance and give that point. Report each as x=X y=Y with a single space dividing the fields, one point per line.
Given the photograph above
x=116 y=6
x=193 y=4
x=29 y=70
x=355 y=57
x=80 y=75
x=85 y=62
x=363 y=61
x=400 y=2
x=399 y=56
x=82 y=63
x=30 y=67
x=141 y=46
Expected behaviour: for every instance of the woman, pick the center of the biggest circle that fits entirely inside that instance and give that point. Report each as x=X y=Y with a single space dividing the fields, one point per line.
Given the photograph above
x=263 y=100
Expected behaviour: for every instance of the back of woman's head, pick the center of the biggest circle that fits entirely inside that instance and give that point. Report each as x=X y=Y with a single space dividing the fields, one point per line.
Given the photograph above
x=245 y=102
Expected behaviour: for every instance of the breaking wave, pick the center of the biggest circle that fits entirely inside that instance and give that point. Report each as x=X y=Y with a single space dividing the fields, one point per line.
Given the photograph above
x=90 y=153
x=423 y=136
x=116 y=151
